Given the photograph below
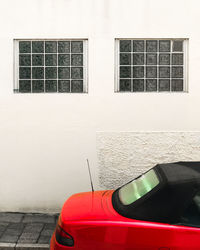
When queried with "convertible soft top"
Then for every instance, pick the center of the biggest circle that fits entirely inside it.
(178, 184)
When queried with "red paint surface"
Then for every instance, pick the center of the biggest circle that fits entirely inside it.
(93, 223)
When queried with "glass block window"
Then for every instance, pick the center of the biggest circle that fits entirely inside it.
(48, 66)
(151, 65)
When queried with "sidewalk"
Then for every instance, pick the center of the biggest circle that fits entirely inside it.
(26, 231)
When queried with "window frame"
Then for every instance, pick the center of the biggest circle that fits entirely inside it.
(16, 65)
(185, 65)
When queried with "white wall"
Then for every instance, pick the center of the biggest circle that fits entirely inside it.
(45, 138)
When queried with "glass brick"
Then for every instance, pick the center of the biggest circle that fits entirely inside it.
(151, 59)
(77, 60)
(138, 45)
(64, 73)
(151, 85)
(63, 86)
(25, 47)
(24, 86)
(37, 60)
(77, 73)
(164, 59)
(64, 60)
(151, 46)
(164, 45)
(151, 72)
(38, 86)
(125, 85)
(37, 47)
(64, 47)
(51, 47)
(177, 59)
(164, 72)
(138, 59)
(24, 72)
(77, 47)
(164, 85)
(125, 72)
(50, 86)
(177, 46)
(138, 85)
(50, 72)
(51, 60)
(177, 84)
(125, 46)
(24, 60)
(37, 73)
(177, 72)
(125, 58)
(138, 72)
(77, 86)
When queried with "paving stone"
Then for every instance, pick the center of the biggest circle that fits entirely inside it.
(29, 238)
(33, 227)
(3, 226)
(44, 239)
(41, 218)
(32, 246)
(9, 238)
(7, 246)
(11, 217)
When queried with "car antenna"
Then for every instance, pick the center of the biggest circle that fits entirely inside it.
(90, 175)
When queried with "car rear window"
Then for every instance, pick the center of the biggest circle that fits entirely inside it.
(137, 188)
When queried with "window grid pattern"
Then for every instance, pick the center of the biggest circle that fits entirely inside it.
(51, 66)
(151, 65)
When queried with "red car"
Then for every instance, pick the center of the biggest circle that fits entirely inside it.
(159, 210)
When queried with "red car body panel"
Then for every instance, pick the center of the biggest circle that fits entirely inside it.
(94, 224)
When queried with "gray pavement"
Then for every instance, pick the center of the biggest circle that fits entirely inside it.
(26, 231)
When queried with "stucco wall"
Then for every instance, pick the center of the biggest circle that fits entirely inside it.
(46, 138)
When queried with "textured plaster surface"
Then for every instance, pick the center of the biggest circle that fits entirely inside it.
(124, 155)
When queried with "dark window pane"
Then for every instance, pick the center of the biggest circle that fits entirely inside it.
(164, 72)
(125, 46)
(177, 59)
(151, 85)
(138, 59)
(51, 60)
(50, 86)
(125, 85)
(64, 73)
(77, 47)
(138, 46)
(37, 47)
(177, 72)
(138, 72)
(51, 73)
(38, 86)
(125, 58)
(37, 60)
(164, 59)
(164, 45)
(64, 60)
(24, 47)
(24, 60)
(177, 46)
(37, 73)
(151, 59)
(77, 73)
(64, 47)
(77, 86)
(63, 86)
(125, 72)
(24, 72)
(138, 85)
(51, 47)
(77, 60)
(177, 84)
(151, 46)
(24, 86)
(151, 72)
(164, 85)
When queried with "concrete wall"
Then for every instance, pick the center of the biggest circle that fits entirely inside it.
(45, 138)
